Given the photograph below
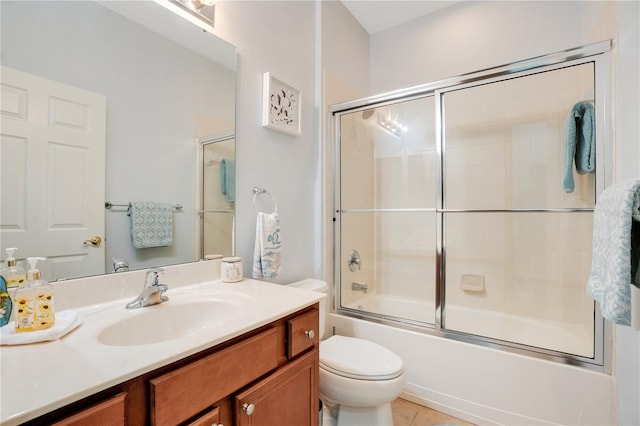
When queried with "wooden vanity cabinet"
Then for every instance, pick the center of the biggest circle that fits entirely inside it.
(273, 369)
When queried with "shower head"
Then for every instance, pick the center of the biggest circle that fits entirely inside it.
(367, 113)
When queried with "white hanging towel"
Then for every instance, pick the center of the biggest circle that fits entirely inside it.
(616, 251)
(267, 253)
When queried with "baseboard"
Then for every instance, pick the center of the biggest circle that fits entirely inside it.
(467, 410)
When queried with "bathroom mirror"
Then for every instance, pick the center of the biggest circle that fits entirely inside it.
(149, 87)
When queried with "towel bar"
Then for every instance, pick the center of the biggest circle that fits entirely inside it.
(108, 205)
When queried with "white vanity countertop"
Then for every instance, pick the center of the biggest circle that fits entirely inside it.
(39, 378)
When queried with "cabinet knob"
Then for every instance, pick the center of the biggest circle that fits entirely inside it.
(310, 334)
(248, 408)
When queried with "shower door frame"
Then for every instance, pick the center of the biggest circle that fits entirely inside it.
(202, 212)
(598, 54)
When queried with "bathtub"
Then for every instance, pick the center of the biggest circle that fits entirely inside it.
(396, 306)
(555, 335)
(482, 384)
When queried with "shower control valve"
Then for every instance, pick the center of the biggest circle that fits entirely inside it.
(354, 261)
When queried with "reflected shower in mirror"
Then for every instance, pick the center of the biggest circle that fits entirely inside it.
(106, 102)
(218, 195)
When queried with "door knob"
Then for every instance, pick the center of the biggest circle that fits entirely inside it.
(94, 241)
(248, 408)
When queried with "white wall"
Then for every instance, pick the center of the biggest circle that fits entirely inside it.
(278, 37)
(475, 35)
(284, 38)
(627, 123)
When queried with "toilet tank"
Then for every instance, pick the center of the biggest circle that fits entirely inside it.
(321, 287)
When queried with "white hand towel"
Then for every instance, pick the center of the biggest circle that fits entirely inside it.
(267, 253)
(65, 322)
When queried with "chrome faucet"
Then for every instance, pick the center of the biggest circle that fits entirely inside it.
(152, 293)
(120, 265)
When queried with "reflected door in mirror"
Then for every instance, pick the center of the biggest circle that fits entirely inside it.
(53, 180)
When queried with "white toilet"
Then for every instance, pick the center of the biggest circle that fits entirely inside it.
(358, 378)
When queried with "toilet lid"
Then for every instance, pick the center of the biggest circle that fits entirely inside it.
(359, 359)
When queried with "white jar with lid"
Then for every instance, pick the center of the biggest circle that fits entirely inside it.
(231, 269)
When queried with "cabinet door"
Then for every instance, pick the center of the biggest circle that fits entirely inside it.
(212, 418)
(287, 397)
(106, 413)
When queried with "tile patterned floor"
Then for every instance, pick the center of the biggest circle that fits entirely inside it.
(407, 413)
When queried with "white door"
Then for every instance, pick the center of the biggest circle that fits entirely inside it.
(53, 173)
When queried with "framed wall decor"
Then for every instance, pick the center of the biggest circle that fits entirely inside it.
(281, 106)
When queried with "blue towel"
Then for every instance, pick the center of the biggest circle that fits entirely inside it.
(228, 179)
(616, 251)
(267, 252)
(151, 224)
(580, 143)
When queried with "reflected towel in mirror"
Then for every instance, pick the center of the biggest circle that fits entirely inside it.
(151, 224)
(228, 179)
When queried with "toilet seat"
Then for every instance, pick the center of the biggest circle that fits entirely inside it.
(359, 359)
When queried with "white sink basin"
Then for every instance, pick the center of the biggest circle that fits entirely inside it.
(175, 319)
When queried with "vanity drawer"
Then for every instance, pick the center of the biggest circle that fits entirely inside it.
(182, 393)
(108, 413)
(302, 333)
(211, 418)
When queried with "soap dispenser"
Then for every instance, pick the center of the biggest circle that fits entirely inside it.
(34, 300)
(13, 274)
(5, 303)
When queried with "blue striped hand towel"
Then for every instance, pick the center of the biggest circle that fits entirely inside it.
(151, 224)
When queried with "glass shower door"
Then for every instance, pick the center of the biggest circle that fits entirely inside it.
(218, 196)
(518, 247)
(387, 215)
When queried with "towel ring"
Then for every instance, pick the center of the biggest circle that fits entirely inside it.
(257, 191)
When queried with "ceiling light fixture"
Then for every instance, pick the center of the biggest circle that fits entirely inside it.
(199, 12)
